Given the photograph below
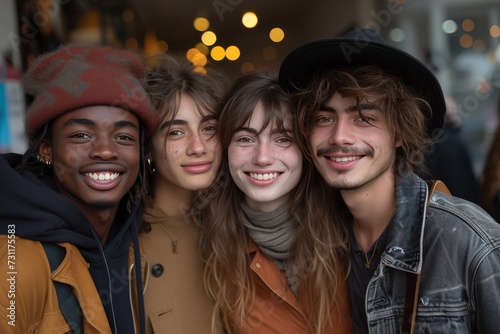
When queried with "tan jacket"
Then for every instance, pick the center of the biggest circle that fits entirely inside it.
(28, 294)
(175, 297)
(275, 308)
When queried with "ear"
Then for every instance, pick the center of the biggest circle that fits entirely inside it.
(399, 142)
(45, 151)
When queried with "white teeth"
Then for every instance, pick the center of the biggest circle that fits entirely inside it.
(102, 176)
(264, 177)
(344, 159)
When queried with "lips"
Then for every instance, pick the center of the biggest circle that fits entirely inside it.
(198, 168)
(102, 180)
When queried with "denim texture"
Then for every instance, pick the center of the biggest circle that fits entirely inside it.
(457, 251)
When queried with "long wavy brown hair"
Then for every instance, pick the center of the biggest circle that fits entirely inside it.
(490, 183)
(404, 110)
(319, 248)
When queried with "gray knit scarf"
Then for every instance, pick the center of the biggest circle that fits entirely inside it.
(273, 232)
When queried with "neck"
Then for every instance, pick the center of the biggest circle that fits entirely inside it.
(171, 199)
(101, 220)
(372, 207)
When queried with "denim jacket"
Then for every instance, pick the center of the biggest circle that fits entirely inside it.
(456, 248)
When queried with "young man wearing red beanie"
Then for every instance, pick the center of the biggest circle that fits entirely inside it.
(78, 186)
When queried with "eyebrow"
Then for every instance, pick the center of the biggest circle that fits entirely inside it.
(353, 108)
(204, 119)
(86, 121)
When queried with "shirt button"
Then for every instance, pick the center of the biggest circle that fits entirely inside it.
(258, 265)
(146, 227)
(157, 270)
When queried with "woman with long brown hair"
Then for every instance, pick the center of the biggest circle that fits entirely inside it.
(275, 259)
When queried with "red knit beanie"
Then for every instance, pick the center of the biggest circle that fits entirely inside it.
(77, 76)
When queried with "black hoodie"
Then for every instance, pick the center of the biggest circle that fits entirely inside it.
(40, 213)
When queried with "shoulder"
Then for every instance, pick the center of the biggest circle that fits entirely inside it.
(464, 217)
(29, 279)
(27, 260)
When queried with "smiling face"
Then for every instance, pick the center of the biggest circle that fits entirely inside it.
(266, 165)
(184, 149)
(350, 150)
(95, 154)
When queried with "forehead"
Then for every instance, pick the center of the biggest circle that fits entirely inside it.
(341, 103)
(262, 117)
(185, 108)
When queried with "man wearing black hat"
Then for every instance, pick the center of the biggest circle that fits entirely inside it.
(422, 261)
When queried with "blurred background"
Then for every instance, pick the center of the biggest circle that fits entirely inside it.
(458, 39)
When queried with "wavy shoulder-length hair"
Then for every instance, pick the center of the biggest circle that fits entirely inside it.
(319, 249)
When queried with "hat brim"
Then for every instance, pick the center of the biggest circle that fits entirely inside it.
(298, 67)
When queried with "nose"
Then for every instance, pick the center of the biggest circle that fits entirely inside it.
(342, 133)
(104, 148)
(196, 145)
(263, 154)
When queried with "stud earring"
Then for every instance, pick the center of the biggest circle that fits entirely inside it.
(151, 167)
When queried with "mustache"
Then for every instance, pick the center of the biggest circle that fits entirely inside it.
(344, 149)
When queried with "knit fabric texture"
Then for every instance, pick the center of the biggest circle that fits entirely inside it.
(78, 76)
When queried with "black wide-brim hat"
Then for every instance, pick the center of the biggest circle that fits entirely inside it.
(364, 47)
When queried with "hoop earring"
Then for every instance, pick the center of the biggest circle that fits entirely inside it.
(151, 167)
(40, 160)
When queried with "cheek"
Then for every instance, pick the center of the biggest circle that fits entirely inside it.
(296, 163)
(65, 162)
(172, 151)
(313, 140)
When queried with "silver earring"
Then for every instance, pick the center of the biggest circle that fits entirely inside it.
(48, 162)
(151, 167)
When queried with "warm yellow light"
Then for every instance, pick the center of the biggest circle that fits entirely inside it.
(128, 15)
(202, 48)
(495, 31)
(200, 69)
(191, 53)
(468, 25)
(269, 53)
(249, 20)
(217, 53)
(150, 43)
(276, 35)
(161, 46)
(201, 24)
(466, 41)
(209, 38)
(247, 67)
(199, 60)
(232, 52)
